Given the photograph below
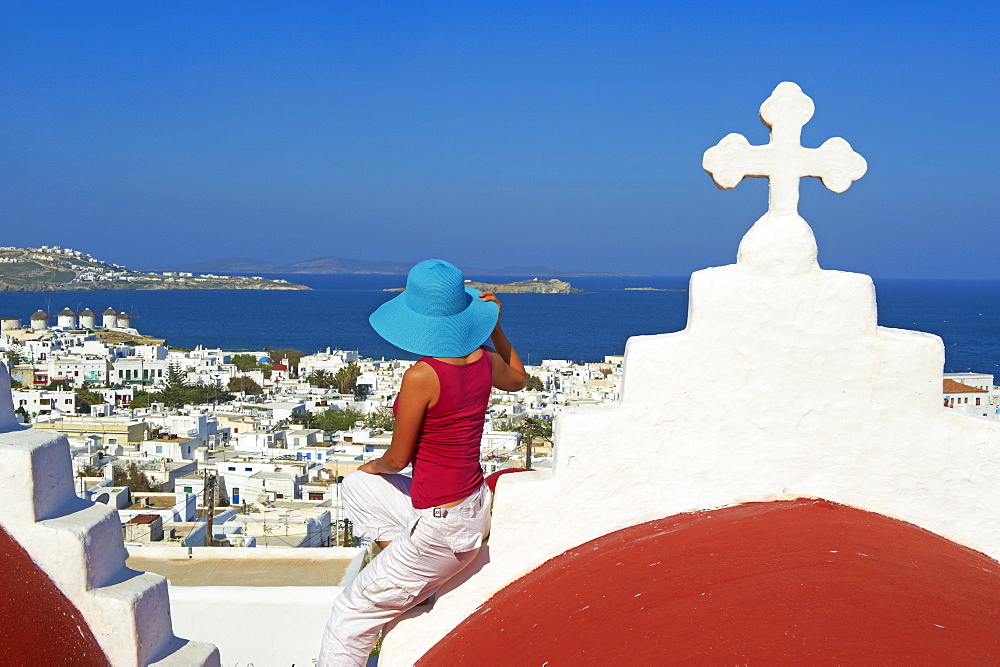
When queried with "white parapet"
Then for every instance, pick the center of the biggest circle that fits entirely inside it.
(284, 595)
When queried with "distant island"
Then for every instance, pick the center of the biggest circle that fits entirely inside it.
(55, 269)
(536, 286)
(338, 265)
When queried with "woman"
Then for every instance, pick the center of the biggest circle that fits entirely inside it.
(429, 526)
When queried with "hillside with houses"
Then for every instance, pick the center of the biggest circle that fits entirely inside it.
(56, 269)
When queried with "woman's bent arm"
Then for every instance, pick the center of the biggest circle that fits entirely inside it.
(419, 390)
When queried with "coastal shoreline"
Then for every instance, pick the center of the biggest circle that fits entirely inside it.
(57, 269)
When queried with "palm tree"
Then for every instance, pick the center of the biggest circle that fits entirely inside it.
(347, 378)
(320, 378)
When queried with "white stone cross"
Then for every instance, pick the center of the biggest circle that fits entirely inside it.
(784, 160)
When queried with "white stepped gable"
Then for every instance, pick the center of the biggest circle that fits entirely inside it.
(817, 401)
(781, 240)
(8, 420)
(79, 545)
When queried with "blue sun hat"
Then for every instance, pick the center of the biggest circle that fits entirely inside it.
(436, 315)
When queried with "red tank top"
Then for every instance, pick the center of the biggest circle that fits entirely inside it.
(446, 462)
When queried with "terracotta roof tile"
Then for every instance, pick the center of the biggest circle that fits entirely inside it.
(952, 387)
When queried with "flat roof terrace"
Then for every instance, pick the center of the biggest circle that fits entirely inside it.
(145, 501)
(235, 566)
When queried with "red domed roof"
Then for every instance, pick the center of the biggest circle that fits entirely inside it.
(38, 625)
(279, 367)
(791, 582)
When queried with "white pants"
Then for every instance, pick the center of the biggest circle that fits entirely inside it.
(428, 547)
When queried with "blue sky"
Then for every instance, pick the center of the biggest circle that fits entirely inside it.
(563, 134)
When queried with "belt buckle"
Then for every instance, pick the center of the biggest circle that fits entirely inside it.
(440, 513)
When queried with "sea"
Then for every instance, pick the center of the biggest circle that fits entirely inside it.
(577, 327)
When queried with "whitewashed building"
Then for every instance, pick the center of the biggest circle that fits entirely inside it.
(170, 447)
(330, 361)
(969, 399)
(137, 371)
(43, 402)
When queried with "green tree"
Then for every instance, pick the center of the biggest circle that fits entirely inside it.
(86, 398)
(320, 378)
(245, 362)
(542, 428)
(500, 424)
(531, 428)
(533, 383)
(178, 393)
(293, 356)
(176, 378)
(140, 399)
(14, 384)
(89, 397)
(58, 385)
(381, 418)
(14, 358)
(203, 394)
(306, 419)
(346, 379)
(174, 391)
(129, 475)
(244, 384)
(338, 420)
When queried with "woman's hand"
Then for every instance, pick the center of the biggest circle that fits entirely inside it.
(369, 468)
(491, 296)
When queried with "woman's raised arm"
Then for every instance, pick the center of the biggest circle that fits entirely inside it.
(508, 371)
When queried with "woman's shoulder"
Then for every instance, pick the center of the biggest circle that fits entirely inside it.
(420, 370)
(420, 380)
(492, 355)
